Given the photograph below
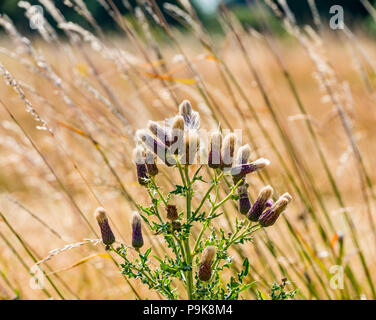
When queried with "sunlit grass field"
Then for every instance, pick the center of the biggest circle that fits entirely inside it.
(70, 107)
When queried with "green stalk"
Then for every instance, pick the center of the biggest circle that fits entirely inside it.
(186, 241)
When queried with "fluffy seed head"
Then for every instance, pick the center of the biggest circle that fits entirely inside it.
(243, 154)
(159, 132)
(215, 146)
(151, 164)
(192, 145)
(265, 193)
(287, 196)
(208, 255)
(228, 149)
(138, 155)
(159, 148)
(100, 215)
(261, 163)
(178, 123)
(185, 108)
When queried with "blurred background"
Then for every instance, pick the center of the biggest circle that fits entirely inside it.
(354, 11)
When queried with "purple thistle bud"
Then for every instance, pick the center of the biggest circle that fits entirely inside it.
(137, 239)
(160, 132)
(243, 155)
(185, 108)
(191, 118)
(228, 149)
(287, 196)
(244, 203)
(214, 156)
(151, 164)
(269, 203)
(159, 148)
(108, 237)
(191, 146)
(177, 135)
(270, 216)
(244, 169)
(260, 204)
(204, 271)
(172, 212)
(139, 159)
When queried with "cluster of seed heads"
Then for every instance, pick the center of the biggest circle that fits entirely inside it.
(178, 142)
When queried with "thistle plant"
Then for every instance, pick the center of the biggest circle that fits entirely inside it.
(197, 251)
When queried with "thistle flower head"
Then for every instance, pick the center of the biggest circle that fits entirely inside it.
(270, 216)
(139, 159)
(159, 148)
(191, 118)
(260, 204)
(138, 155)
(244, 169)
(287, 196)
(151, 164)
(108, 237)
(204, 271)
(269, 203)
(137, 239)
(215, 146)
(185, 108)
(178, 123)
(228, 149)
(160, 132)
(172, 212)
(177, 135)
(244, 204)
(191, 146)
(243, 154)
